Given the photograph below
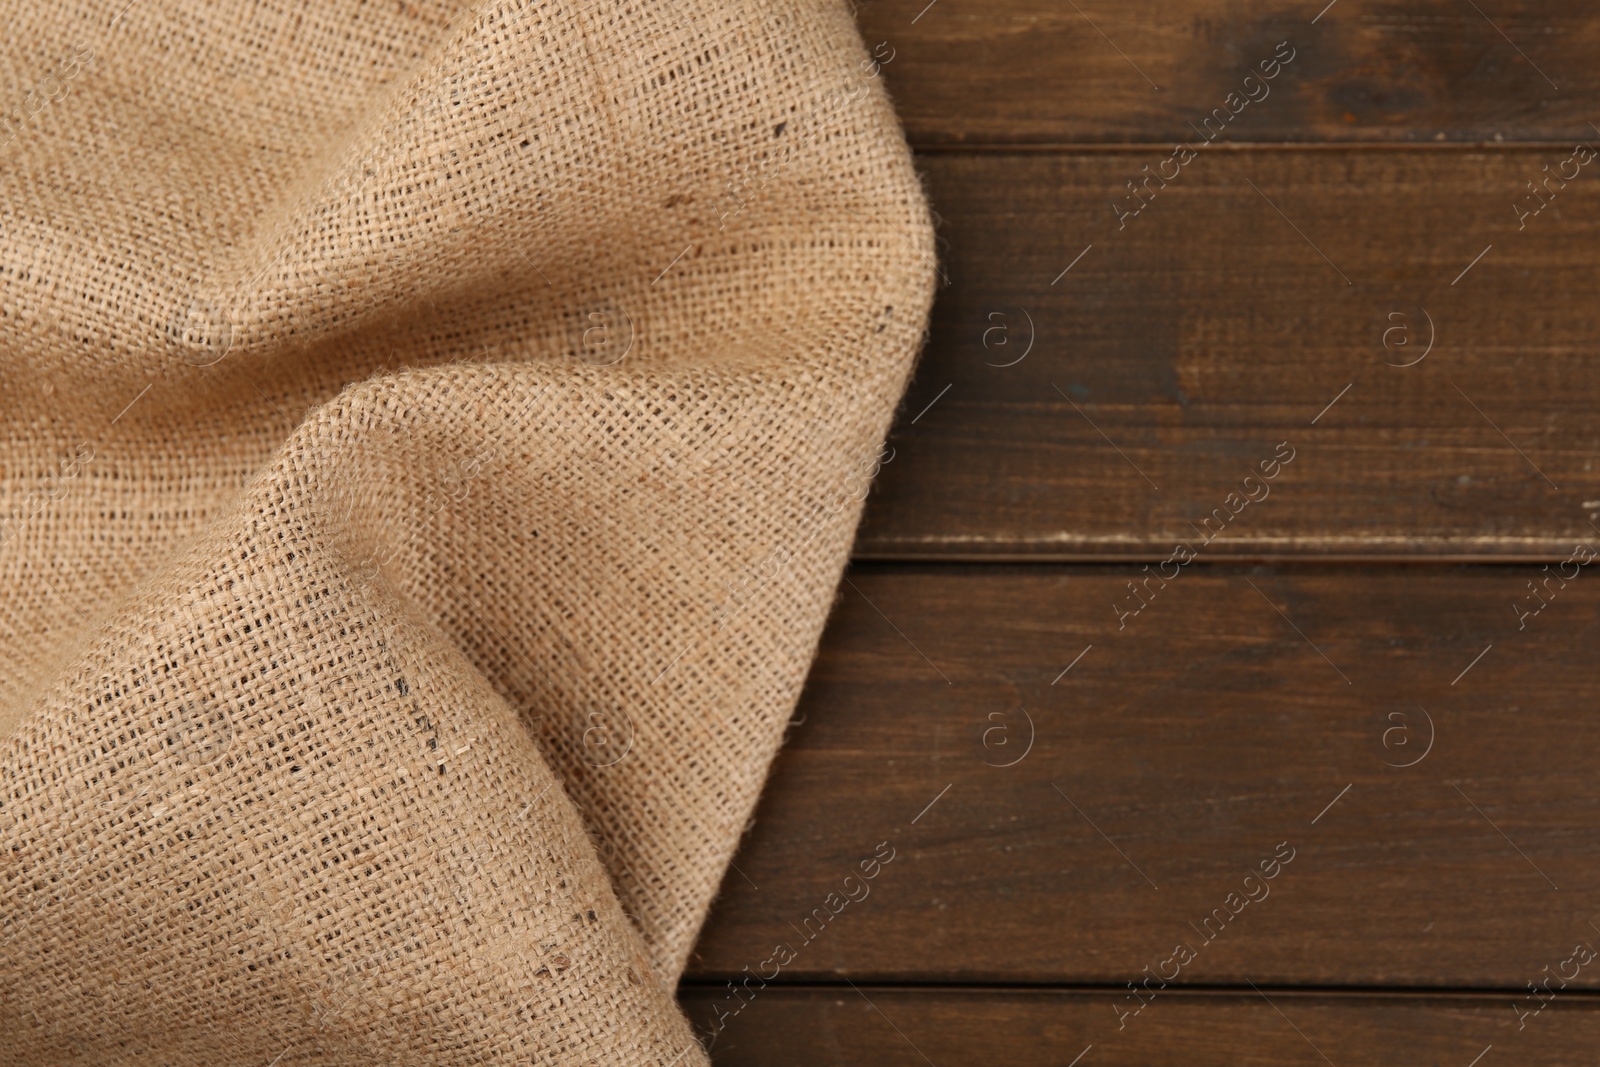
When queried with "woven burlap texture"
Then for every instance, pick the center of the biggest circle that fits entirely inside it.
(431, 440)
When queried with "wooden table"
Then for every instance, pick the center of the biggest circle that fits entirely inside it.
(1213, 681)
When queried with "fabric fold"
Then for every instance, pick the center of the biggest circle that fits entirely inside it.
(432, 439)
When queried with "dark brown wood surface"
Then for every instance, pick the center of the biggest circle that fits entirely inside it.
(1017, 71)
(873, 1027)
(1382, 266)
(1189, 341)
(1176, 755)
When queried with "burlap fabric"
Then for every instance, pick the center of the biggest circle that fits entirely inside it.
(432, 437)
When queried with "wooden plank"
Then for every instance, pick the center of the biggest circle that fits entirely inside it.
(1019, 71)
(1214, 731)
(877, 1027)
(1172, 359)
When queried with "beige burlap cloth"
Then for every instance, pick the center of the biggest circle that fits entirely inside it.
(431, 439)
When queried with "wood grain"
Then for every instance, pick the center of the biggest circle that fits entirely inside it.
(1050, 1028)
(1023, 788)
(1167, 764)
(1032, 71)
(1189, 341)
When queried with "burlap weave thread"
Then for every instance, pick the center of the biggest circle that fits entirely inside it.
(431, 439)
